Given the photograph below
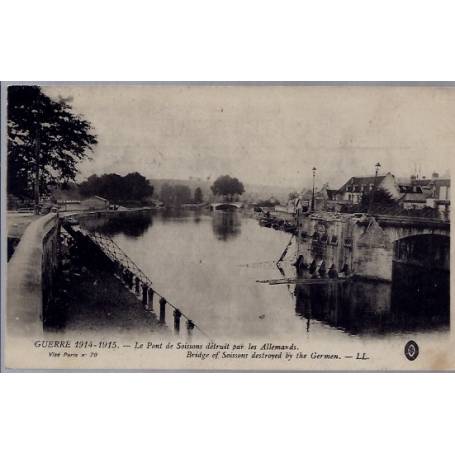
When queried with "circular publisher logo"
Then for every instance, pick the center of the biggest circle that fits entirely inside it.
(411, 350)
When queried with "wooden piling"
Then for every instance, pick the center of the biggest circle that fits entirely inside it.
(150, 297)
(189, 326)
(145, 295)
(177, 316)
(163, 310)
(137, 283)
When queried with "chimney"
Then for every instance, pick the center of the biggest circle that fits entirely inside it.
(413, 179)
(435, 175)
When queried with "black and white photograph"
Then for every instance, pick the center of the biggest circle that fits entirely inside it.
(225, 227)
(229, 226)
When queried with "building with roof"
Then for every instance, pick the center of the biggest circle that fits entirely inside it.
(76, 205)
(324, 199)
(95, 203)
(435, 189)
(353, 190)
(412, 197)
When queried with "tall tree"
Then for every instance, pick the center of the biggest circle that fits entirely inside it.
(137, 186)
(382, 201)
(182, 194)
(293, 195)
(167, 194)
(132, 187)
(46, 141)
(226, 185)
(198, 198)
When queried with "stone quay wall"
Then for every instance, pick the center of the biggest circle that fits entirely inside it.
(31, 275)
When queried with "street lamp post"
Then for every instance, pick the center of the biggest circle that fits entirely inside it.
(312, 199)
(377, 167)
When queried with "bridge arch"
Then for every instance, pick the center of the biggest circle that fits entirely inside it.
(427, 250)
(421, 277)
(226, 205)
(396, 229)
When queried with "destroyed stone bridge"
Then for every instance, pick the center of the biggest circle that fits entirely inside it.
(369, 246)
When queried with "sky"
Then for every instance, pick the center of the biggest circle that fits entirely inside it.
(270, 135)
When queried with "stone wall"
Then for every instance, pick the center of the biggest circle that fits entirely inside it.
(365, 245)
(325, 239)
(31, 275)
(344, 241)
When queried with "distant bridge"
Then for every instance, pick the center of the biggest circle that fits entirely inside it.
(226, 205)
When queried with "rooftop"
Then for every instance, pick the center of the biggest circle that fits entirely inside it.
(363, 180)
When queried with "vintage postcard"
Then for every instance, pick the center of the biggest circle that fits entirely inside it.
(227, 226)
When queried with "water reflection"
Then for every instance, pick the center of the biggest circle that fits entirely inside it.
(226, 224)
(197, 214)
(204, 250)
(414, 302)
(132, 225)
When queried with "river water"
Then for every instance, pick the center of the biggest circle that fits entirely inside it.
(208, 264)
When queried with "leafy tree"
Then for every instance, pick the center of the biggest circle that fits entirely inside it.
(382, 201)
(226, 185)
(182, 194)
(167, 194)
(175, 195)
(132, 187)
(137, 186)
(293, 195)
(90, 186)
(45, 140)
(198, 198)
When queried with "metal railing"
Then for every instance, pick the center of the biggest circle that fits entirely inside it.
(113, 251)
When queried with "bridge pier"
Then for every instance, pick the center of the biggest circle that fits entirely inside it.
(366, 246)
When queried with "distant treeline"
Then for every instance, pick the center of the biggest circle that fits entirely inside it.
(176, 195)
(114, 187)
(135, 187)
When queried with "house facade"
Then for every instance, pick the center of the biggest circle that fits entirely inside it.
(353, 190)
(325, 199)
(412, 197)
(95, 203)
(436, 191)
